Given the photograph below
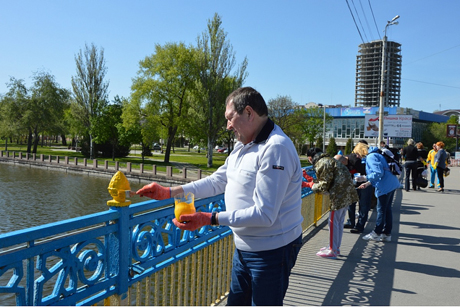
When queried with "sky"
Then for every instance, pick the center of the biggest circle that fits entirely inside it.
(304, 49)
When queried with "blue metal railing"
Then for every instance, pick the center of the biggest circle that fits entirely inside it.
(82, 261)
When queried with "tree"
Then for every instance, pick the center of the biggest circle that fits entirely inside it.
(217, 61)
(48, 104)
(453, 119)
(332, 147)
(107, 127)
(437, 132)
(13, 109)
(311, 121)
(318, 142)
(349, 146)
(140, 124)
(164, 82)
(282, 111)
(90, 91)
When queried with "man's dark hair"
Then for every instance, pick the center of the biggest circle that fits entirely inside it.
(247, 96)
(363, 141)
(313, 151)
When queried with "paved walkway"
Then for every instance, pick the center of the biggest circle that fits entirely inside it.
(420, 267)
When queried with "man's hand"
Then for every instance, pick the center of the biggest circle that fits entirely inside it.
(155, 191)
(193, 221)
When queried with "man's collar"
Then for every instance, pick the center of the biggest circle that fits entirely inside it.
(265, 132)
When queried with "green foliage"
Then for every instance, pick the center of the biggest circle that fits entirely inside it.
(104, 149)
(332, 147)
(216, 62)
(281, 111)
(453, 119)
(310, 121)
(437, 132)
(319, 142)
(109, 129)
(163, 87)
(13, 107)
(33, 111)
(90, 91)
(48, 104)
(349, 146)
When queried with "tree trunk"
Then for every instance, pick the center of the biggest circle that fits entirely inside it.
(64, 140)
(29, 141)
(210, 141)
(142, 152)
(36, 139)
(91, 149)
(171, 133)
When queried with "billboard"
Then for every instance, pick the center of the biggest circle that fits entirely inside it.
(452, 131)
(393, 126)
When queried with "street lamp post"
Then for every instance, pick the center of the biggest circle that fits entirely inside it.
(324, 125)
(382, 77)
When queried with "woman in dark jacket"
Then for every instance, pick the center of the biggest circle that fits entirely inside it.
(422, 153)
(440, 164)
(410, 154)
(422, 157)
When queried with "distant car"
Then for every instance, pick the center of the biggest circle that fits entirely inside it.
(222, 150)
(196, 147)
(156, 146)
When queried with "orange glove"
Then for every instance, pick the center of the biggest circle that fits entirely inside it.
(155, 191)
(193, 221)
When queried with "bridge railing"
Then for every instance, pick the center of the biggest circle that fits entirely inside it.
(124, 256)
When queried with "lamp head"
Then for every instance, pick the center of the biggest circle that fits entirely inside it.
(394, 18)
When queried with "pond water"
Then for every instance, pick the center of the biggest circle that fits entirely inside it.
(32, 196)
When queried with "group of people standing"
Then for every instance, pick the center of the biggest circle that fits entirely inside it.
(261, 180)
(349, 179)
(370, 176)
(417, 159)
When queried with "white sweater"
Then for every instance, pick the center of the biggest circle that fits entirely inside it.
(262, 185)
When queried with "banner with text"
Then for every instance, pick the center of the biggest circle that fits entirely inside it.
(452, 131)
(393, 126)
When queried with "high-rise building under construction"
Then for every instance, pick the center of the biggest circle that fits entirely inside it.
(369, 73)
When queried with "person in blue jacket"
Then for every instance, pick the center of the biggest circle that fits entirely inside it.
(378, 175)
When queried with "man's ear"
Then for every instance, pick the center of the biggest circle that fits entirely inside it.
(248, 111)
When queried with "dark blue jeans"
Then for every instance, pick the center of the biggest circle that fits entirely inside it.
(365, 199)
(262, 278)
(384, 223)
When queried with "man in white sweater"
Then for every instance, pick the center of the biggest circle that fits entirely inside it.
(261, 180)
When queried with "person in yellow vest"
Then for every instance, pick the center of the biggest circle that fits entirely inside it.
(430, 161)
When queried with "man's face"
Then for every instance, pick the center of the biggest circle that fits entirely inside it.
(238, 123)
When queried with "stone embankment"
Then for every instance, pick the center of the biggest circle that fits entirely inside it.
(133, 171)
